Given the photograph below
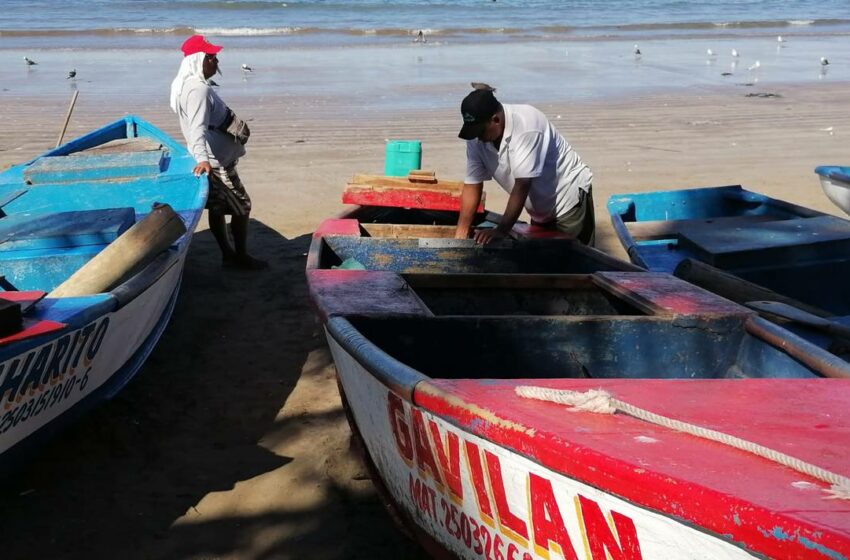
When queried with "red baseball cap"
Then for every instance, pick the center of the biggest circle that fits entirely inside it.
(196, 44)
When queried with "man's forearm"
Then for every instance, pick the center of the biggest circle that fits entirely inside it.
(470, 198)
(516, 202)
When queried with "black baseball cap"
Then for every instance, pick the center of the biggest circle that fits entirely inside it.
(476, 110)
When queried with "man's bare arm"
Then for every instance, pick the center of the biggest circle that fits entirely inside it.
(516, 202)
(470, 198)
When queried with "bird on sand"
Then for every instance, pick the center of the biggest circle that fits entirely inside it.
(29, 61)
(246, 68)
(636, 51)
(824, 61)
(779, 39)
(72, 74)
(709, 53)
(482, 85)
(755, 66)
(735, 53)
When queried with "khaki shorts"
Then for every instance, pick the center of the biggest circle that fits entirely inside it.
(227, 194)
(579, 221)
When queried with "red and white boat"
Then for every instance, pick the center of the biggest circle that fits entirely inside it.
(432, 338)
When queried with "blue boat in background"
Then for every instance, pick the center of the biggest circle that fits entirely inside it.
(93, 239)
(788, 262)
(835, 181)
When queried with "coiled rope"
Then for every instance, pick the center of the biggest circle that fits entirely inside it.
(603, 403)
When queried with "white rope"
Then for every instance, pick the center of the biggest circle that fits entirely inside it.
(602, 402)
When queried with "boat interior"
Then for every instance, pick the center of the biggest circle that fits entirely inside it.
(595, 346)
(606, 325)
(769, 242)
(540, 256)
(61, 209)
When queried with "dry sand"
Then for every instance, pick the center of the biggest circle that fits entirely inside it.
(231, 443)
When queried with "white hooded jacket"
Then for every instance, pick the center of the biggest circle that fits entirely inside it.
(199, 108)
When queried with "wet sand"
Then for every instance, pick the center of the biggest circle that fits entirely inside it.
(231, 442)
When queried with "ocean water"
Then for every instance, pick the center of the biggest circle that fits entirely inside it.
(298, 23)
(332, 56)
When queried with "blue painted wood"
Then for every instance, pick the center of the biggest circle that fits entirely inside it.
(795, 251)
(63, 229)
(834, 172)
(78, 204)
(486, 347)
(101, 167)
(794, 241)
(408, 255)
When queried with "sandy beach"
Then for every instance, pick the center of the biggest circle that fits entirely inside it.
(232, 443)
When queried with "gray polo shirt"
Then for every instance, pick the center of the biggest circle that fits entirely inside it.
(200, 108)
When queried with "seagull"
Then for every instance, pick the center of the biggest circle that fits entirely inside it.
(481, 85)
(72, 74)
(735, 53)
(824, 61)
(30, 62)
(637, 50)
(756, 65)
(709, 53)
(779, 39)
(246, 68)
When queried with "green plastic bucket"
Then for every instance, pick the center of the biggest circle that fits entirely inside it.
(402, 157)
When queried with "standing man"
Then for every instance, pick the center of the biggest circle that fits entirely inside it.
(202, 113)
(518, 147)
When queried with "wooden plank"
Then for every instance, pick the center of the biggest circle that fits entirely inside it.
(671, 229)
(503, 281)
(404, 231)
(363, 292)
(417, 196)
(658, 293)
(786, 241)
(422, 176)
(734, 288)
(402, 182)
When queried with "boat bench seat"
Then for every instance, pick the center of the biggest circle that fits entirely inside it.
(796, 240)
(61, 230)
(113, 167)
(671, 229)
(40, 251)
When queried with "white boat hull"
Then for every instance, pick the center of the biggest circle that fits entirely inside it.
(480, 500)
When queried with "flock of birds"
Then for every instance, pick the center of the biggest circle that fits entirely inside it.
(72, 74)
(712, 55)
(636, 51)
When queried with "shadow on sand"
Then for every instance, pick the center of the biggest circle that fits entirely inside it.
(241, 370)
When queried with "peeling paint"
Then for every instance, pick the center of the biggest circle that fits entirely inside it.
(484, 415)
(779, 534)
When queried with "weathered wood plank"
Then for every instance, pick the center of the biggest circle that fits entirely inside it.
(516, 281)
(659, 293)
(401, 231)
(670, 229)
(402, 182)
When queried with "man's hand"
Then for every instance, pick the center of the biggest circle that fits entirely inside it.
(201, 168)
(485, 236)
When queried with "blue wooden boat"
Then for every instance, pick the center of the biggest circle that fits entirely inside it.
(772, 243)
(68, 216)
(835, 181)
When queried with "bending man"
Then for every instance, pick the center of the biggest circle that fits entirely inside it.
(518, 147)
(202, 112)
